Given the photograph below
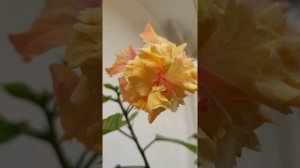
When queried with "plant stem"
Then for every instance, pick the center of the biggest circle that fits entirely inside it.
(50, 137)
(129, 109)
(53, 139)
(124, 133)
(134, 137)
(152, 142)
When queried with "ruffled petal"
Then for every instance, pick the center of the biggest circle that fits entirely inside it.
(52, 28)
(121, 61)
(150, 37)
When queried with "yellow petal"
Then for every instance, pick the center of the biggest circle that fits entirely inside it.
(130, 95)
(158, 77)
(156, 103)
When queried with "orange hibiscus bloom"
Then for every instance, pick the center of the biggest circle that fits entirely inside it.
(157, 77)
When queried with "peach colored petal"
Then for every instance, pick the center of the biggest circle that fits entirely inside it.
(158, 78)
(76, 118)
(52, 28)
(121, 61)
(149, 36)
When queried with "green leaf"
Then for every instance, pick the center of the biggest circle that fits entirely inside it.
(110, 86)
(133, 115)
(106, 98)
(194, 136)
(9, 131)
(114, 122)
(20, 90)
(191, 147)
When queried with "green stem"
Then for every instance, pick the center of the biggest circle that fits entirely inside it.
(50, 137)
(129, 109)
(53, 138)
(124, 133)
(134, 137)
(152, 142)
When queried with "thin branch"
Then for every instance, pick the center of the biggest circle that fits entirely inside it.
(50, 135)
(53, 138)
(129, 108)
(152, 142)
(134, 137)
(124, 133)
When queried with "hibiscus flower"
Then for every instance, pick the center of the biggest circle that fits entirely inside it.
(157, 77)
(247, 59)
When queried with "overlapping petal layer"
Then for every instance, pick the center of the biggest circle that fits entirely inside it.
(157, 77)
(84, 52)
(79, 120)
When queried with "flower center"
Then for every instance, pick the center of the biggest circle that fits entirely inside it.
(161, 80)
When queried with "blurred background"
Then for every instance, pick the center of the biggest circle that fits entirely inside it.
(24, 151)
